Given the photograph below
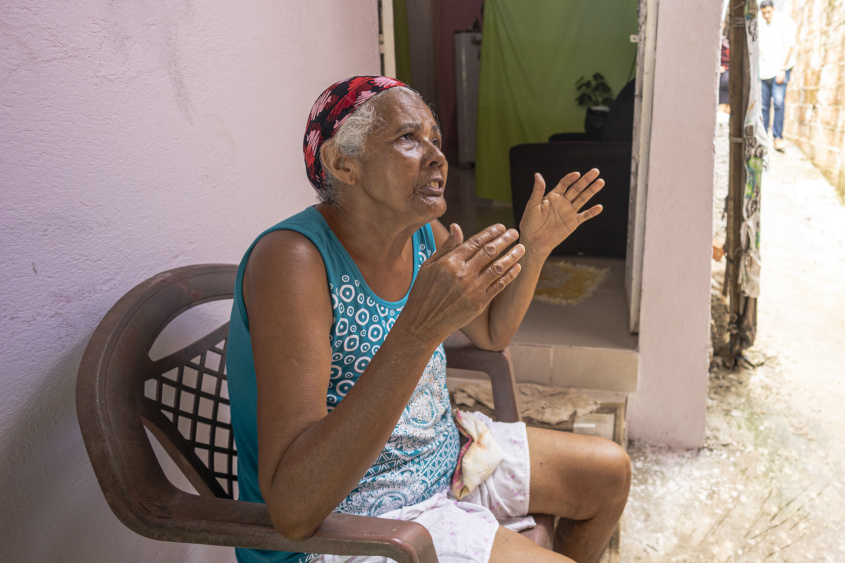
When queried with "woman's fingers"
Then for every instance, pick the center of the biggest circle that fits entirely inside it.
(485, 262)
(587, 194)
(498, 269)
(575, 190)
(483, 247)
(502, 282)
(456, 237)
(590, 213)
(491, 250)
(567, 182)
(571, 186)
(538, 192)
(477, 242)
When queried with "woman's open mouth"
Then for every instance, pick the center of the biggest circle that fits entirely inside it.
(432, 187)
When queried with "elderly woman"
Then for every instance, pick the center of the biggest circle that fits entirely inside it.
(335, 359)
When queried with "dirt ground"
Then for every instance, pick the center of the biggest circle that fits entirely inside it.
(769, 483)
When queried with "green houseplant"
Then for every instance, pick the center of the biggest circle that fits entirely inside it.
(596, 96)
(593, 92)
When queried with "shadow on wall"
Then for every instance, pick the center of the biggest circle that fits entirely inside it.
(48, 484)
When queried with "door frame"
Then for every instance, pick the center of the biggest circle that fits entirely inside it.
(387, 38)
(643, 105)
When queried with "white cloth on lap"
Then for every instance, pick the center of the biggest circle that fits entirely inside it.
(478, 458)
(464, 530)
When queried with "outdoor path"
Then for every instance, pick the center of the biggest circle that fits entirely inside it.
(769, 485)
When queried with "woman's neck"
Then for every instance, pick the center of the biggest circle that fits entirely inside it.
(381, 247)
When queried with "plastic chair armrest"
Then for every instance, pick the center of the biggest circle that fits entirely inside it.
(191, 518)
(461, 353)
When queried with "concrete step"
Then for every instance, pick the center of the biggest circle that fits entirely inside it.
(587, 346)
(579, 367)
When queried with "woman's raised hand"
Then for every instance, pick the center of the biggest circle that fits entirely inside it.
(458, 281)
(552, 217)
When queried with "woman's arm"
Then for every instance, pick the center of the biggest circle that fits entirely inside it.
(309, 459)
(547, 221)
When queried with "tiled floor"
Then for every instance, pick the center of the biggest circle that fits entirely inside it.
(587, 345)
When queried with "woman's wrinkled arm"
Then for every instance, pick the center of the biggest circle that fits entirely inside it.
(308, 459)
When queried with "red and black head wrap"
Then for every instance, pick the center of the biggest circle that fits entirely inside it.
(329, 112)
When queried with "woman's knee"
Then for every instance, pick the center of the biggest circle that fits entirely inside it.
(577, 476)
(614, 470)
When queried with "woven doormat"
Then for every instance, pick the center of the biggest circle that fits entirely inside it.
(565, 283)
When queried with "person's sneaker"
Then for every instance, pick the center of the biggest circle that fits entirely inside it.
(778, 145)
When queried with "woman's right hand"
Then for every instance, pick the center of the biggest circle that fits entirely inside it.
(459, 280)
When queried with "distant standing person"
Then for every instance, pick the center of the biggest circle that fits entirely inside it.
(724, 74)
(777, 57)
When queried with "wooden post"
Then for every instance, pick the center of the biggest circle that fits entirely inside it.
(737, 97)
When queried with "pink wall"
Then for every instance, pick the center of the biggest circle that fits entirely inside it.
(669, 406)
(452, 16)
(137, 136)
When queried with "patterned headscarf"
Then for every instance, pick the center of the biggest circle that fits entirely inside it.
(330, 111)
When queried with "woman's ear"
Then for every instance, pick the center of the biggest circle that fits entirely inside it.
(342, 167)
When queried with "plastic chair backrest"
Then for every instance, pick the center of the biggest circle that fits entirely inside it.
(181, 398)
(186, 407)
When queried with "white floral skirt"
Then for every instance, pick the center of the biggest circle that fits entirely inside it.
(464, 530)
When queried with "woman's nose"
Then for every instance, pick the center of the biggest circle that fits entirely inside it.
(435, 156)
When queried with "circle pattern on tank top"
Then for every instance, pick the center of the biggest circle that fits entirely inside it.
(361, 325)
(420, 455)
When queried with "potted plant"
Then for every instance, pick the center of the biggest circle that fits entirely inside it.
(594, 94)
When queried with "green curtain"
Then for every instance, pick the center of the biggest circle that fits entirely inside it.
(532, 53)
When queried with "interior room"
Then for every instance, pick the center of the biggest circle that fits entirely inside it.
(520, 90)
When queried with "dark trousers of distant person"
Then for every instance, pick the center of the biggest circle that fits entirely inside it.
(724, 81)
(774, 92)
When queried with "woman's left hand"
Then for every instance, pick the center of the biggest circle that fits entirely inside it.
(552, 217)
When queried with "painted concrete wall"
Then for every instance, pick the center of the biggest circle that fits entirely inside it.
(669, 406)
(136, 137)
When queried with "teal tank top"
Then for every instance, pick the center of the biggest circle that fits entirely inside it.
(420, 456)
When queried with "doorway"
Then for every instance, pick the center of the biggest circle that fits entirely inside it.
(601, 325)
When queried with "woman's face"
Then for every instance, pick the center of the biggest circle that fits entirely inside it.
(403, 170)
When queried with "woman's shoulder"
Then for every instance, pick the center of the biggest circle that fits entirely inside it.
(286, 268)
(284, 248)
(288, 250)
(298, 234)
(308, 222)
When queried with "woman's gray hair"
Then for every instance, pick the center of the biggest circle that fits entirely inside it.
(349, 142)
